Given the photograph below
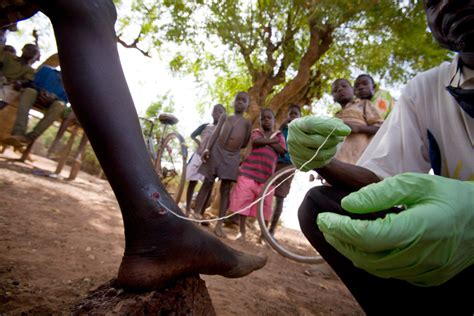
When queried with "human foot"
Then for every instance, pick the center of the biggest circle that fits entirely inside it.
(219, 232)
(17, 140)
(174, 248)
(240, 237)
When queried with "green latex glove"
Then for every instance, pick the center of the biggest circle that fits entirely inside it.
(426, 244)
(305, 136)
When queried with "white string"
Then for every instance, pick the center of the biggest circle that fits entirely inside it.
(254, 202)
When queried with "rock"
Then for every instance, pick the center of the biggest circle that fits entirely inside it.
(188, 296)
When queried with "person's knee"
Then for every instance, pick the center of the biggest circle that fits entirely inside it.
(57, 108)
(28, 96)
(87, 11)
(317, 200)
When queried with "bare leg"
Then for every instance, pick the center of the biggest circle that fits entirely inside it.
(208, 199)
(243, 222)
(159, 247)
(225, 192)
(189, 195)
(276, 214)
(203, 194)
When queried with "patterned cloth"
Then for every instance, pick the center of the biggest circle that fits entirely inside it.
(261, 162)
(383, 102)
(360, 112)
(12, 11)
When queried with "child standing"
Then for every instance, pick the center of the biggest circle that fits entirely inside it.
(256, 169)
(221, 157)
(360, 115)
(281, 192)
(204, 131)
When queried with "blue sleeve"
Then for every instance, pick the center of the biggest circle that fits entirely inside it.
(198, 130)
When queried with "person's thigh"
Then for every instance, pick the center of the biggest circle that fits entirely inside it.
(377, 295)
(242, 195)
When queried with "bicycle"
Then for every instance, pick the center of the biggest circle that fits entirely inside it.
(168, 153)
(285, 247)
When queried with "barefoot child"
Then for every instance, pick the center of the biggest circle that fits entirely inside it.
(221, 158)
(281, 192)
(256, 169)
(204, 131)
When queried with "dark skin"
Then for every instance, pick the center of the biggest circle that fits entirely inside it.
(232, 130)
(159, 247)
(293, 113)
(450, 29)
(343, 93)
(30, 54)
(217, 111)
(364, 88)
(447, 25)
(232, 133)
(267, 122)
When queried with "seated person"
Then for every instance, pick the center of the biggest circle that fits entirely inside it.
(366, 89)
(17, 70)
(9, 49)
(360, 115)
(405, 238)
(47, 92)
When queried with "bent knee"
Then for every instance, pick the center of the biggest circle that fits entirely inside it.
(318, 200)
(87, 11)
(57, 107)
(309, 208)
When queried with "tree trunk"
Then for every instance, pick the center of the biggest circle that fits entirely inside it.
(187, 296)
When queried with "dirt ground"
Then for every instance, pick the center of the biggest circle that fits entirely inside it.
(60, 239)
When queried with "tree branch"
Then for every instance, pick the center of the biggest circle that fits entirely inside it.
(134, 45)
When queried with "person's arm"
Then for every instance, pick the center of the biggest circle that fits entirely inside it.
(348, 176)
(247, 137)
(206, 153)
(372, 118)
(198, 131)
(263, 141)
(370, 129)
(280, 145)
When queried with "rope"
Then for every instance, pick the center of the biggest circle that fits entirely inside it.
(254, 202)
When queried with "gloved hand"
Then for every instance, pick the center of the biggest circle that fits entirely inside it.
(307, 134)
(426, 244)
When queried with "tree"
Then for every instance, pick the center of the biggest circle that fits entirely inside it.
(285, 52)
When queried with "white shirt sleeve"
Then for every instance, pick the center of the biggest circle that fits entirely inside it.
(401, 143)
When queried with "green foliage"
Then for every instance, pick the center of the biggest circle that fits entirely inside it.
(165, 104)
(287, 51)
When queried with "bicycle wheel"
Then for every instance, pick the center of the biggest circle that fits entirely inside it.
(296, 247)
(170, 164)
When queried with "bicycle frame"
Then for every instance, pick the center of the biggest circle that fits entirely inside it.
(149, 136)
